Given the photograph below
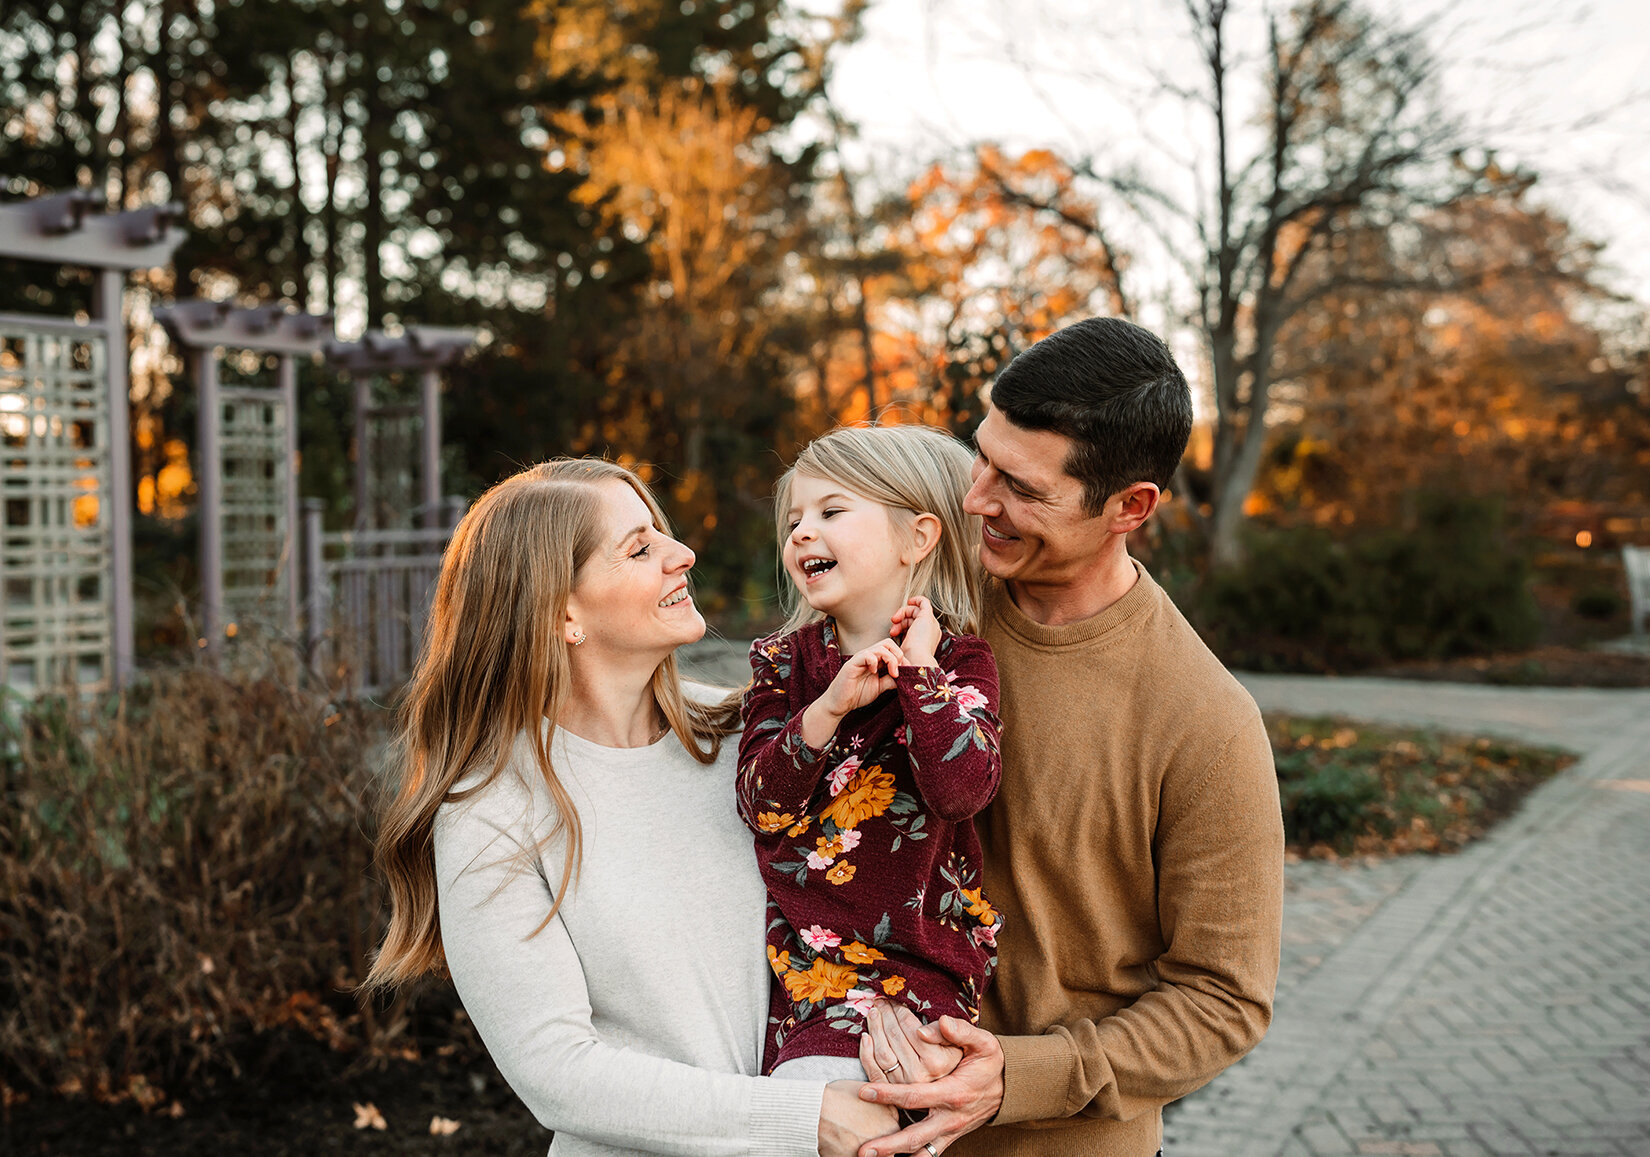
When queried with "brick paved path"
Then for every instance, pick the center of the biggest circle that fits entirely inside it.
(1494, 1002)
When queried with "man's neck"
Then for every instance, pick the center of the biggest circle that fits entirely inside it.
(1057, 604)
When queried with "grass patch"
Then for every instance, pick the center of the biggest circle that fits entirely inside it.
(1363, 789)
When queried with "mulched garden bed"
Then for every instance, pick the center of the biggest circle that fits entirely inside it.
(299, 1099)
(1542, 667)
(1362, 789)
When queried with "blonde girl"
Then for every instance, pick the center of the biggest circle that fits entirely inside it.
(870, 743)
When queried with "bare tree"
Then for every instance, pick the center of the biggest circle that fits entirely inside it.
(1330, 129)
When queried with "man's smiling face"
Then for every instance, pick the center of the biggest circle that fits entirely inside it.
(1037, 530)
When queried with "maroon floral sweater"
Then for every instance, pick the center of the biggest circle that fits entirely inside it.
(868, 845)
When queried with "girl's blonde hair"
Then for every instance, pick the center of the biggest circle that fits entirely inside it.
(911, 470)
(495, 664)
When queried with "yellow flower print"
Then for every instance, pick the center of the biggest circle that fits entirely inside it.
(799, 826)
(779, 961)
(857, 953)
(894, 985)
(823, 980)
(831, 848)
(979, 908)
(773, 821)
(841, 872)
(867, 795)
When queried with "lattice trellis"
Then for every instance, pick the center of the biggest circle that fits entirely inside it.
(257, 540)
(393, 433)
(54, 423)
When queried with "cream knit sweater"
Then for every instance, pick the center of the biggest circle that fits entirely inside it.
(633, 1022)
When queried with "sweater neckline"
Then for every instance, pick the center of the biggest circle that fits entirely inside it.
(1095, 628)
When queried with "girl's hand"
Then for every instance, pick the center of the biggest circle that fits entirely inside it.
(892, 1049)
(864, 677)
(918, 631)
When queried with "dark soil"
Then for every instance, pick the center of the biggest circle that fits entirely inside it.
(1543, 667)
(300, 1104)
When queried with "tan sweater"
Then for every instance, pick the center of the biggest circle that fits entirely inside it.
(1135, 849)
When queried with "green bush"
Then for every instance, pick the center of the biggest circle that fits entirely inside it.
(1306, 600)
(183, 866)
(1326, 804)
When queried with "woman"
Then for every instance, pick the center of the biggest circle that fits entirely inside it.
(563, 838)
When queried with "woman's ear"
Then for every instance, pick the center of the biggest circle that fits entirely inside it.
(925, 536)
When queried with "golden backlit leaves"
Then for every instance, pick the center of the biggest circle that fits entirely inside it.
(1500, 386)
(165, 492)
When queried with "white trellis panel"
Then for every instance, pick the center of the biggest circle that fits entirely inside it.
(257, 483)
(56, 562)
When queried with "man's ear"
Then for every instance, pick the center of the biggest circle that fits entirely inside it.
(1129, 508)
(925, 536)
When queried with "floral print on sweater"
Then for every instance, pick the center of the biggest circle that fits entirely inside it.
(867, 845)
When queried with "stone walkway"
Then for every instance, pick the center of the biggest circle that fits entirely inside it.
(1493, 1002)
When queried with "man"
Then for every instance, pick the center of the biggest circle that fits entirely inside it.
(1135, 847)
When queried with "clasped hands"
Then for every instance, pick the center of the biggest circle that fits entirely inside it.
(951, 1068)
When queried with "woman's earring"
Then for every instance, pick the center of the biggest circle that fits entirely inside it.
(578, 640)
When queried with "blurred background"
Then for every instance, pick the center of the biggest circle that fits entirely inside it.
(1402, 250)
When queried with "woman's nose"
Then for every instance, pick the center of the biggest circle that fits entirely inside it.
(685, 559)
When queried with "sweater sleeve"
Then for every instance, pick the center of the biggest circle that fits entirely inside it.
(952, 733)
(523, 987)
(778, 771)
(1219, 852)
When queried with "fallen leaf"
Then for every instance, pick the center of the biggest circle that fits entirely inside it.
(442, 1127)
(367, 1116)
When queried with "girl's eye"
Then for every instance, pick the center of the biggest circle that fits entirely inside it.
(830, 510)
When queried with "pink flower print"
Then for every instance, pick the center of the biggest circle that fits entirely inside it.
(819, 938)
(860, 1000)
(819, 862)
(848, 839)
(969, 699)
(842, 773)
(986, 935)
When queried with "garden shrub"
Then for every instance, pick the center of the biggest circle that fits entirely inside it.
(1326, 804)
(1307, 601)
(181, 865)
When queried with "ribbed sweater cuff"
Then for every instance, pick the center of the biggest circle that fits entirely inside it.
(785, 1117)
(1037, 1073)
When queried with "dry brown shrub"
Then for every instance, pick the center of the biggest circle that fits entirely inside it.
(181, 866)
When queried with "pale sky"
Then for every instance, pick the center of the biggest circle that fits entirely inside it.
(1562, 88)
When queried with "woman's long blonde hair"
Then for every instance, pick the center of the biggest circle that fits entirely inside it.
(495, 664)
(911, 470)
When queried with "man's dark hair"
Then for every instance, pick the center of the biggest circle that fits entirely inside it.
(1115, 391)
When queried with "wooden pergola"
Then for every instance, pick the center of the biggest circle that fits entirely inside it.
(247, 448)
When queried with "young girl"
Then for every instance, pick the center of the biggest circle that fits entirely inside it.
(870, 743)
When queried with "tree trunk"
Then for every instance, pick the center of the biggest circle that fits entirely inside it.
(375, 138)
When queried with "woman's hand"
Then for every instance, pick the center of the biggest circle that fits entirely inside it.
(846, 1122)
(892, 1048)
(918, 631)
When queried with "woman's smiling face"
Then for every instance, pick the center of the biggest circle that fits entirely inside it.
(632, 593)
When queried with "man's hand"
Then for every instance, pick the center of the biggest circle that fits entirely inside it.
(957, 1104)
